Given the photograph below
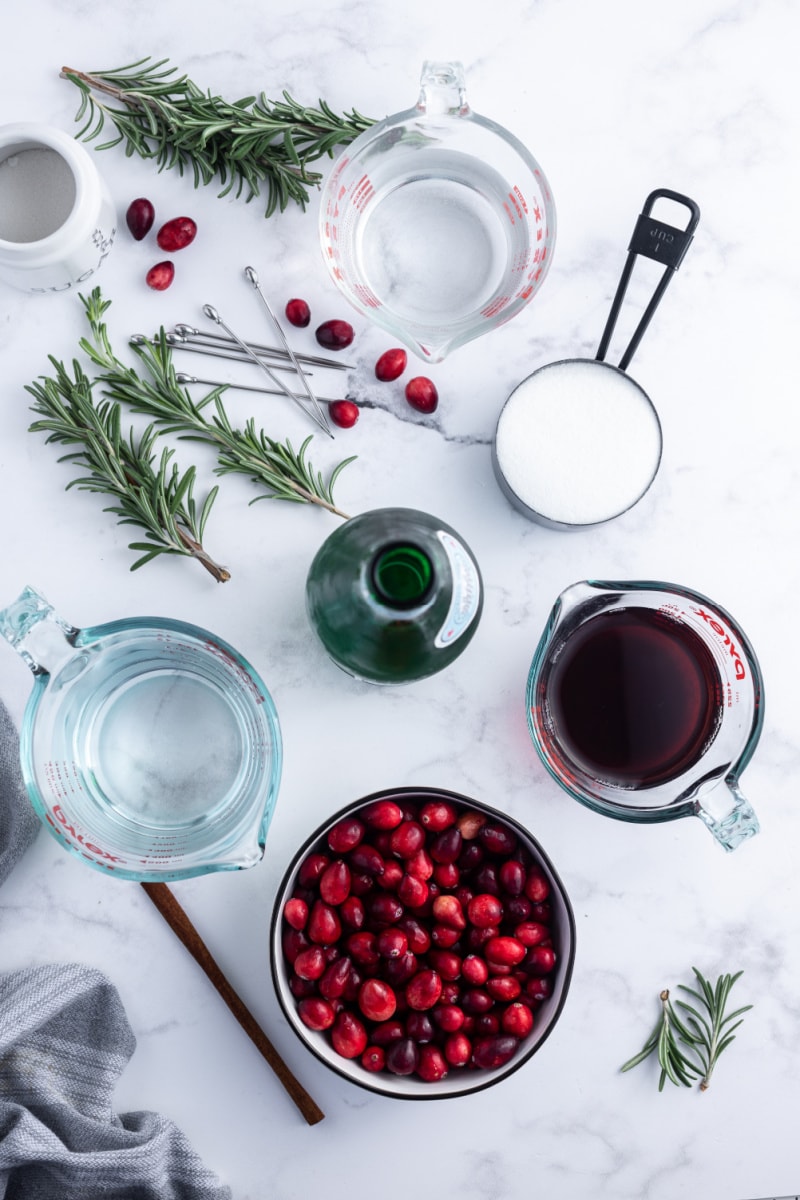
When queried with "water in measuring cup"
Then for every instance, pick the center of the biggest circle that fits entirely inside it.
(160, 739)
(437, 243)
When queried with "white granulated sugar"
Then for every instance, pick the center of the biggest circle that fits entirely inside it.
(578, 442)
(37, 192)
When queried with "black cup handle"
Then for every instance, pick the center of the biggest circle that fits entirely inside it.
(661, 242)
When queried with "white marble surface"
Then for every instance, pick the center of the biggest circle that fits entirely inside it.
(614, 100)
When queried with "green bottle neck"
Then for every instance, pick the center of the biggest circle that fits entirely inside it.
(401, 575)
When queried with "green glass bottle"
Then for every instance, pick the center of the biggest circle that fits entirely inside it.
(394, 595)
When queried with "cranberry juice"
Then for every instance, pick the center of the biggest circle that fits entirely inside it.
(635, 697)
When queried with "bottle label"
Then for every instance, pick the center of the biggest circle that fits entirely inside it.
(466, 591)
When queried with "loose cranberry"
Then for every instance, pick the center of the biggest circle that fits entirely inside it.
(382, 814)
(451, 992)
(377, 1000)
(316, 1013)
(531, 933)
(391, 876)
(512, 877)
(540, 960)
(539, 988)
(344, 413)
(492, 1052)
(391, 365)
(296, 913)
(367, 859)
(335, 335)
(297, 313)
(346, 834)
(293, 941)
(363, 948)
(432, 1065)
(487, 1024)
(437, 815)
(407, 839)
(470, 824)
(348, 1035)
(448, 911)
(422, 395)
(447, 875)
(333, 983)
(477, 938)
(446, 962)
(361, 883)
(484, 910)
(419, 1027)
(541, 912)
(458, 1049)
(446, 846)
(507, 951)
(311, 869)
(387, 1032)
(449, 1017)
(176, 234)
(471, 856)
(519, 908)
(392, 943)
(517, 1020)
(399, 970)
(402, 1057)
(498, 839)
(537, 888)
(474, 970)
(160, 276)
(334, 883)
(310, 963)
(374, 1058)
(352, 912)
(140, 217)
(383, 908)
(444, 936)
(419, 940)
(503, 988)
(424, 990)
(420, 864)
(300, 988)
(412, 891)
(324, 926)
(476, 1001)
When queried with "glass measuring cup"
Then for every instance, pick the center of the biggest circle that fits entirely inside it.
(579, 441)
(150, 748)
(645, 702)
(436, 223)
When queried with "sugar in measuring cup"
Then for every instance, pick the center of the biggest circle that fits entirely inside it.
(579, 441)
(437, 224)
(150, 748)
(645, 702)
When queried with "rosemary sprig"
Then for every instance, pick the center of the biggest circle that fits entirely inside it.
(273, 465)
(152, 495)
(246, 144)
(705, 1037)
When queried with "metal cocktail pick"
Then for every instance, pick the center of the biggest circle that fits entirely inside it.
(182, 378)
(214, 316)
(252, 277)
(183, 333)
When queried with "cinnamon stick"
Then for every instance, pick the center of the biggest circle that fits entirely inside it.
(166, 903)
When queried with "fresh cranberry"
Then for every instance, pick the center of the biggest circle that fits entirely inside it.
(343, 413)
(160, 276)
(517, 1019)
(422, 395)
(346, 834)
(296, 913)
(367, 859)
(419, 1027)
(335, 335)
(352, 912)
(387, 1032)
(424, 990)
(402, 1057)
(419, 940)
(498, 839)
(437, 815)
(449, 1017)
(432, 1065)
(176, 234)
(391, 365)
(383, 909)
(316, 1013)
(420, 864)
(333, 982)
(363, 948)
(373, 1059)
(324, 926)
(382, 814)
(311, 868)
(487, 1023)
(484, 910)
(519, 908)
(300, 988)
(506, 951)
(503, 988)
(492, 1052)
(512, 877)
(448, 911)
(537, 888)
(444, 936)
(310, 963)
(392, 943)
(470, 824)
(458, 1049)
(293, 941)
(540, 960)
(412, 891)
(531, 933)
(377, 1000)
(446, 962)
(140, 217)
(446, 846)
(334, 883)
(348, 1035)
(297, 313)
(447, 875)
(407, 839)
(476, 1001)
(474, 970)
(391, 876)
(399, 970)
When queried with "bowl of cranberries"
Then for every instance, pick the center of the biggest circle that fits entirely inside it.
(422, 944)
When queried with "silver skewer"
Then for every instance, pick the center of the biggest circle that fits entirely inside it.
(234, 355)
(251, 275)
(213, 315)
(183, 378)
(189, 333)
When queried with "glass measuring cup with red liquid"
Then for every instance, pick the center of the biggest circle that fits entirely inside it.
(645, 702)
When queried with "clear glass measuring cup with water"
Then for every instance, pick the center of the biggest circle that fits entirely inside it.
(645, 702)
(437, 224)
(150, 748)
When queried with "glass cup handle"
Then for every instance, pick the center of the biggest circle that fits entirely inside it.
(28, 625)
(738, 825)
(443, 90)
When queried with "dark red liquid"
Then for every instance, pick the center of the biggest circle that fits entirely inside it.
(634, 697)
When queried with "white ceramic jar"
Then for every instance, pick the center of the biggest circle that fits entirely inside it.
(57, 219)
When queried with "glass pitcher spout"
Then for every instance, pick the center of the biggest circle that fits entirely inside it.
(732, 825)
(443, 89)
(40, 637)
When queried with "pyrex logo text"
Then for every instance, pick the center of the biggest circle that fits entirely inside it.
(727, 640)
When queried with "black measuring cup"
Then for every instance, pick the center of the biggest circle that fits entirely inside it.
(579, 442)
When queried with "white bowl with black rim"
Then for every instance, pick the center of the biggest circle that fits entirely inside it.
(461, 1080)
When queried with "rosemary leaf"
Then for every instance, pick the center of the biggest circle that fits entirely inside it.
(252, 145)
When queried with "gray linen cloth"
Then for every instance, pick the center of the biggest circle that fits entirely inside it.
(64, 1041)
